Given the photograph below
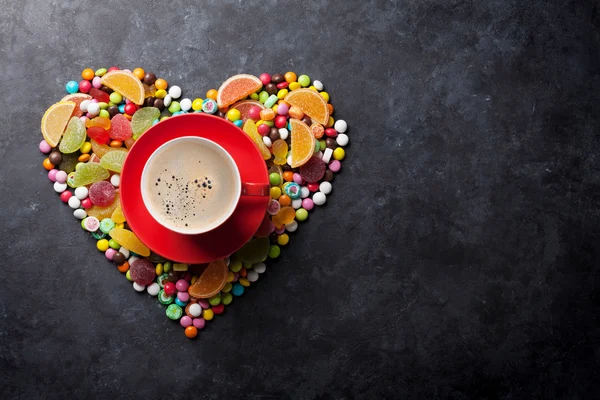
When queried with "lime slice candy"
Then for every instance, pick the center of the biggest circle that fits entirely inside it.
(74, 136)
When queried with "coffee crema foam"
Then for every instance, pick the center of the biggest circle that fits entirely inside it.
(189, 185)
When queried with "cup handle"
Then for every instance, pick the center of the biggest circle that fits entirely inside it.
(254, 189)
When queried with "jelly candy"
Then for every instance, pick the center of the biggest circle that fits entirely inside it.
(99, 134)
(118, 216)
(143, 119)
(236, 88)
(267, 114)
(280, 150)
(77, 98)
(283, 217)
(311, 103)
(98, 121)
(313, 170)
(120, 128)
(99, 95)
(102, 193)
(104, 212)
(250, 129)
(149, 91)
(303, 142)
(74, 136)
(255, 250)
(142, 272)
(88, 173)
(126, 84)
(244, 107)
(317, 130)
(94, 158)
(100, 149)
(127, 239)
(113, 160)
(68, 162)
(55, 120)
(211, 281)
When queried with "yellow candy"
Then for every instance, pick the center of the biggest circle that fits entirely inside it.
(294, 86)
(159, 269)
(102, 245)
(325, 95)
(283, 239)
(194, 279)
(282, 93)
(230, 277)
(180, 267)
(161, 93)
(197, 104)
(208, 314)
(121, 225)
(117, 215)
(339, 154)
(280, 150)
(330, 122)
(127, 239)
(244, 282)
(275, 192)
(313, 88)
(86, 148)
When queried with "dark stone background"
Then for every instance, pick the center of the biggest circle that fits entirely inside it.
(456, 257)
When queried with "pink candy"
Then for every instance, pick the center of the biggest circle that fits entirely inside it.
(45, 147)
(298, 179)
(61, 176)
(84, 86)
(199, 323)
(204, 304)
(97, 82)
(109, 253)
(183, 296)
(335, 166)
(254, 113)
(308, 204)
(182, 285)
(52, 175)
(265, 78)
(283, 109)
(185, 321)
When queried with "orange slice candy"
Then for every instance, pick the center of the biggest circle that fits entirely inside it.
(77, 98)
(55, 120)
(250, 129)
(303, 143)
(311, 103)
(236, 88)
(127, 239)
(126, 84)
(211, 281)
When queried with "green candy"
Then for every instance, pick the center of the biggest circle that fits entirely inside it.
(167, 266)
(128, 275)
(254, 96)
(235, 266)
(115, 98)
(101, 72)
(112, 243)
(274, 251)
(104, 114)
(270, 102)
(275, 179)
(304, 80)
(98, 235)
(174, 107)
(322, 145)
(301, 214)
(103, 105)
(263, 96)
(143, 119)
(107, 225)
(164, 299)
(215, 300)
(162, 279)
(227, 298)
(174, 312)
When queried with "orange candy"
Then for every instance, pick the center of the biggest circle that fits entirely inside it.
(191, 332)
(280, 150)
(102, 122)
(284, 200)
(290, 77)
(267, 114)
(88, 74)
(47, 164)
(303, 143)
(84, 158)
(288, 176)
(311, 103)
(161, 84)
(116, 143)
(295, 112)
(330, 108)
(212, 94)
(236, 88)
(284, 216)
(317, 130)
(123, 267)
(211, 281)
(139, 73)
(125, 83)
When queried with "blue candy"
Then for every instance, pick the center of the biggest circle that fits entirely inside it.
(72, 87)
(180, 303)
(237, 289)
(209, 106)
(239, 123)
(122, 108)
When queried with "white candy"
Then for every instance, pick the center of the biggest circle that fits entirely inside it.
(292, 226)
(93, 109)
(319, 198)
(60, 187)
(260, 267)
(289, 160)
(297, 203)
(267, 141)
(83, 106)
(304, 192)
(138, 288)
(195, 309)
(318, 85)
(115, 180)
(132, 259)
(283, 133)
(185, 104)
(340, 126)
(124, 251)
(153, 289)
(252, 276)
(80, 213)
(325, 187)
(342, 139)
(327, 155)
(74, 202)
(227, 261)
(167, 100)
(175, 92)
(81, 192)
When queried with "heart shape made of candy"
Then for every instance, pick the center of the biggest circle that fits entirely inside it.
(87, 137)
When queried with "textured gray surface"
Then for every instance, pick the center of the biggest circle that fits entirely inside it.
(457, 256)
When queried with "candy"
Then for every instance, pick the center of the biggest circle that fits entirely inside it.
(303, 143)
(174, 312)
(55, 120)
(117, 215)
(142, 271)
(101, 212)
(153, 289)
(143, 119)
(78, 99)
(280, 150)
(313, 170)
(88, 173)
(113, 160)
(128, 239)
(251, 131)
(127, 84)
(91, 224)
(120, 128)
(106, 225)
(292, 189)
(79, 213)
(236, 88)
(335, 166)
(283, 217)
(102, 193)
(310, 103)
(211, 281)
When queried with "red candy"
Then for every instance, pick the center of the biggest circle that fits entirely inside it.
(86, 203)
(280, 121)
(99, 134)
(102, 193)
(330, 132)
(65, 196)
(99, 95)
(313, 170)
(120, 128)
(313, 187)
(254, 113)
(220, 309)
(113, 68)
(130, 109)
(85, 86)
(282, 85)
(265, 78)
(264, 129)
(142, 272)
(169, 288)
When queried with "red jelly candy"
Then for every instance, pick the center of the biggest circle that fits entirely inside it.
(142, 272)
(99, 95)
(120, 128)
(313, 170)
(102, 193)
(99, 134)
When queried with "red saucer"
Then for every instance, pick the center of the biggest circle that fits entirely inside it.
(227, 238)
